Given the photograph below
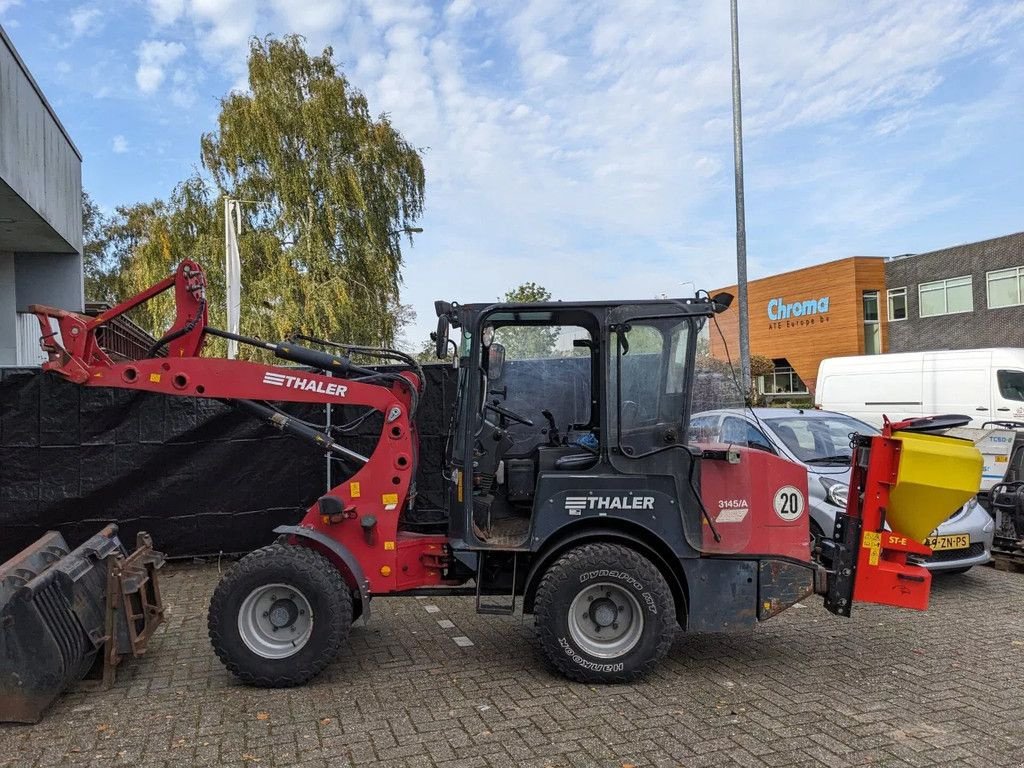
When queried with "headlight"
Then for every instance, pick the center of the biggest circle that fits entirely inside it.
(836, 493)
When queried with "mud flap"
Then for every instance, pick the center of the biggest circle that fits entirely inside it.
(62, 612)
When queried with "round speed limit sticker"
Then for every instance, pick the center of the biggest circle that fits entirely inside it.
(788, 503)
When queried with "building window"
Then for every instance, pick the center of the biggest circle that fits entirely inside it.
(781, 381)
(897, 304)
(946, 297)
(872, 326)
(1004, 287)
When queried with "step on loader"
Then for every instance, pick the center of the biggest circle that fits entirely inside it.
(571, 489)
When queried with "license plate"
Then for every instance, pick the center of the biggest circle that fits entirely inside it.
(954, 541)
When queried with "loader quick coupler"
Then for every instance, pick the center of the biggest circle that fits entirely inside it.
(64, 613)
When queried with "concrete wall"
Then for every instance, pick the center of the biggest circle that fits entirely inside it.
(984, 327)
(48, 278)
(41, 170)
(40, 207)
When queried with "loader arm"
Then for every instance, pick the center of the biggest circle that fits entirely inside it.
(357, 521)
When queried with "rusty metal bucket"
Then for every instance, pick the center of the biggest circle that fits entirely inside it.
(64, 613)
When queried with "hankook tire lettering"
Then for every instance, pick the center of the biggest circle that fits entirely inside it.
(572, 654)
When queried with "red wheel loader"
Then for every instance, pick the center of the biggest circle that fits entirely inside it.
(571, 489)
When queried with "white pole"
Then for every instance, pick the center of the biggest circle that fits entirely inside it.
(232, 270)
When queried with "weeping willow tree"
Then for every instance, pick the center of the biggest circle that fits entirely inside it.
(329, 187)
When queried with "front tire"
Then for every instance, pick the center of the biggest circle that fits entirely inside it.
(604, 614)
(280, 616)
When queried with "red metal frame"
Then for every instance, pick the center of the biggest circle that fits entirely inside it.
(883, 574)
(392, 560)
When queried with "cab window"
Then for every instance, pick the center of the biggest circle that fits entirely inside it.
(547, 368)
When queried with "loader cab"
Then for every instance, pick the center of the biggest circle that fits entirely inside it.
(558, 391)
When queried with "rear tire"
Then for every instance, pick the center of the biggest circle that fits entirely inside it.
(280, 616)
(604, 614)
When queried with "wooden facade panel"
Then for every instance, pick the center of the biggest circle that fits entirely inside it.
(807, 315)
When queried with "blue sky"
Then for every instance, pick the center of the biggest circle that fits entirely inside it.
(585, 146)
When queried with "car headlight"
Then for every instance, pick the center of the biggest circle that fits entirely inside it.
(836, 493)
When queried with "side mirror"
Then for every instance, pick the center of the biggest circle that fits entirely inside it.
(495, 360)
(721, 302)
(441, 338)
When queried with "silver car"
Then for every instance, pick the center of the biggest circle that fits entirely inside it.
(820, 441)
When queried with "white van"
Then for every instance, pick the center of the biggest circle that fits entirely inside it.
(985, 384)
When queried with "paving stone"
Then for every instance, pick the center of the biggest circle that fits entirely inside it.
(884, 688)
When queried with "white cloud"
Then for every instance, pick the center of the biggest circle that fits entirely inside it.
(589, 148)
(154, 57)
(119, 144)
(224, 26)
(85, 21)
(166, 12)
(6, 5)
(183, 94)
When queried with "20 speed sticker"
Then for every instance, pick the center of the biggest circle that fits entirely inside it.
(788, 503)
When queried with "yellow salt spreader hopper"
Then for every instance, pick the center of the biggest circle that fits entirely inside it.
(904, 482)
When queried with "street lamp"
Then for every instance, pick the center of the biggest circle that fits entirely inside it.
(741, 222)
(406, 231)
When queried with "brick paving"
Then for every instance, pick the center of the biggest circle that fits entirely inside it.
(887, 687)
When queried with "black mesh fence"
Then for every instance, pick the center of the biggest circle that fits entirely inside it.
(197, 474)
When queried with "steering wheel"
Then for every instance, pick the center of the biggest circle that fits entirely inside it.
(508, 414)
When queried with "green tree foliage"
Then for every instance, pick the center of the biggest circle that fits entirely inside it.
(524, 342)
(95, 258)
(331, 186)
(334, 184)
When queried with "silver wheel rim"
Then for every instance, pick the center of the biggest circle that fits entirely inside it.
(605, 620)
(275, 621)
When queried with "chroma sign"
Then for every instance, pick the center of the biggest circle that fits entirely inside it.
(778, 309)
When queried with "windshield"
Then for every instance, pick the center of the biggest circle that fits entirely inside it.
(818, 439)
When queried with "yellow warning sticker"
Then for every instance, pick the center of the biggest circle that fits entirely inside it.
(389, 500)
(873, 541)
(389, 545)
(155, 378)
(353, 490)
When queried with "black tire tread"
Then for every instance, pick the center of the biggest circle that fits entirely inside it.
(313, 566)
(577, 559)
